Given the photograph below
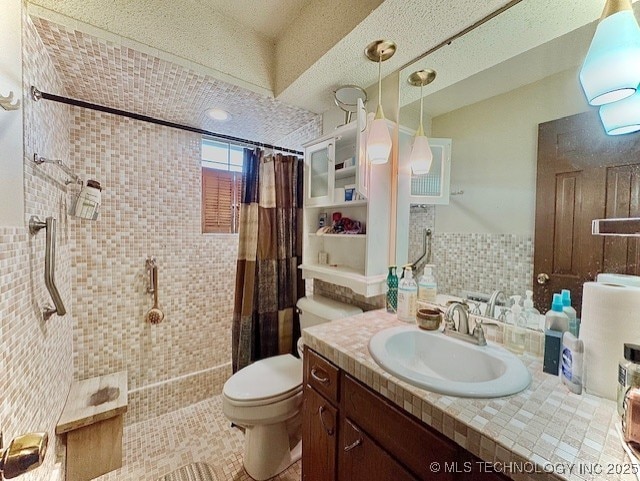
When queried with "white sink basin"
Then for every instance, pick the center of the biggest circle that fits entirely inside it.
(438, 363)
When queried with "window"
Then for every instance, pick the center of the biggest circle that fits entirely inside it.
(221, 186)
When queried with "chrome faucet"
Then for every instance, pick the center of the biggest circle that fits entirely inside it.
(463, 317)
(462, 331)
(490, 310)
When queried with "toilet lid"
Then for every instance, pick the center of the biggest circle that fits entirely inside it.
(265, 379)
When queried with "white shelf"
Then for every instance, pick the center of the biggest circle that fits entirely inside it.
(349, 203)
(345, 172)
(367, 286)
(342, 236)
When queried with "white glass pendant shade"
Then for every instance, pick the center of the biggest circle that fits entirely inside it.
(379, 142)
(622, 117)
(421, 156)
(611, 70)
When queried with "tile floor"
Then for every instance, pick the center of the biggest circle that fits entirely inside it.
(199, 432)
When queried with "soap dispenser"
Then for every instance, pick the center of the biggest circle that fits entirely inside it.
(427, 286)
(515, 329)
(407, 296)
(531, 314)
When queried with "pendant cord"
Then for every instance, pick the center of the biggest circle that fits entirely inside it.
(421, 103)
(380, 79)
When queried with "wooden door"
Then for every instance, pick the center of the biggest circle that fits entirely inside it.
(319, 438)
(583, 174)
(360, 458)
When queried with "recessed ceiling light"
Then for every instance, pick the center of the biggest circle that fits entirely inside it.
(218, 114)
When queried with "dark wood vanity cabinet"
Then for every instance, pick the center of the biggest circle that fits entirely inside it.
(351, 433)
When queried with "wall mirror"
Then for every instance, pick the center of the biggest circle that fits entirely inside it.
(494, 87)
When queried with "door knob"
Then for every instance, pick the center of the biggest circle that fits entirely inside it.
(543, 278)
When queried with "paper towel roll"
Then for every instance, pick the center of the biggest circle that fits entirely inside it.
(620, 279)
(610, 317)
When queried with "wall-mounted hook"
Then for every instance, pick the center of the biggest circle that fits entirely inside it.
(7, 103)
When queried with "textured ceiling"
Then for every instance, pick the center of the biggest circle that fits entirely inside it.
(108, 74)
(532, 40)
(269, 17)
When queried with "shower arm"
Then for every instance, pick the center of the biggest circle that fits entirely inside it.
(35, 224)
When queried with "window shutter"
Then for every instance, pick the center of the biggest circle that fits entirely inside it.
(218, 198)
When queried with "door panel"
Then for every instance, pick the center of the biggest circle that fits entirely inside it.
(623, 188)
(319, 438)
(362, 459)
(568, 194)
(583, 174)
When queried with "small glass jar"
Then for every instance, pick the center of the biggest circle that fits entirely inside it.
(631, 418)
(628, 373)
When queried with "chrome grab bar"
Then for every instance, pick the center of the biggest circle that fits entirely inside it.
(35, 224)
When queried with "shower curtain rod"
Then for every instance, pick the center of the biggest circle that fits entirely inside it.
(37, 95)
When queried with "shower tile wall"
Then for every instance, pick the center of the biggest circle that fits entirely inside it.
(151, 179)
(474, 262)
(36, 361)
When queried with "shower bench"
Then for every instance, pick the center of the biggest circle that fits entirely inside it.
(91, 422)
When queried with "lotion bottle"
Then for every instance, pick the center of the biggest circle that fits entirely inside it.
(515, 329)
(572, 354)
(427, 286)
(407, 297)
(531, 314)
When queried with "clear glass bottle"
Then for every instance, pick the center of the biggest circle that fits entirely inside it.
(392, 290)
(628, 373)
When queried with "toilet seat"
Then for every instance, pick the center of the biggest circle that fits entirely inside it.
(265, 382)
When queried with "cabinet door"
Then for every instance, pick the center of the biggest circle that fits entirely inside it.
(320, 172)
(362, 170)
(319, 438)
(431, 188)
(362, 459)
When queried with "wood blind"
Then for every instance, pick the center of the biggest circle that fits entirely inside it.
(221, 191)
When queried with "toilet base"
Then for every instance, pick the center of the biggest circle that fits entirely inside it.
(272, 448)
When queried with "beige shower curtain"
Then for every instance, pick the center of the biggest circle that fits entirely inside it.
(268, 281)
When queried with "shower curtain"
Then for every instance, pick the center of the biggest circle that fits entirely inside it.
(268, 281)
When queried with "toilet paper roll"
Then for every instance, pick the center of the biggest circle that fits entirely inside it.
(610, 317)
(619, 279)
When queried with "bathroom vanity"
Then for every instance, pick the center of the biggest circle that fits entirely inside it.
(360, 422)
(352, 433)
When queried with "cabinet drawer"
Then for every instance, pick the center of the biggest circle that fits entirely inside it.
(321, 375)
(409, 441)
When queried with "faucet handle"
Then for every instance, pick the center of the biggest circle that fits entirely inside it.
(478, 333)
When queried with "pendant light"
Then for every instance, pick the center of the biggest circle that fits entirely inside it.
(611, 70)
(621, 117)
(421, 156)
(379, 139)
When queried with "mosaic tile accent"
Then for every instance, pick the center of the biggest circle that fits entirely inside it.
(36, 361)
(483, 262)
(473, 262)
(112, 74)
(545, 429)
(346, 295)
(197, 433)
(151, 179)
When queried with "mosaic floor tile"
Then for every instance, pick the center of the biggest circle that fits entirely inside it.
(199, 433)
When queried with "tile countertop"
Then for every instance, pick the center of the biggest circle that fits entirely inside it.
(544, 432)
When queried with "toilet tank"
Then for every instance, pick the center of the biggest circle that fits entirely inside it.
(317, 310)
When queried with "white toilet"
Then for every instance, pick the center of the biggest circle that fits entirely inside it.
(265, 398)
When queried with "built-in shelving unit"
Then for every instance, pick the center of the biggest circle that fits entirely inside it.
(356, 261)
